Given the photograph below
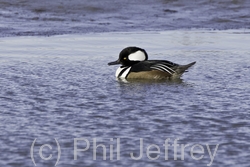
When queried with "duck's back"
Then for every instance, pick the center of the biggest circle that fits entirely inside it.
(152, 69)
(157, 69)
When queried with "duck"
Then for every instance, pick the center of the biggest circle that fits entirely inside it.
(135, 65)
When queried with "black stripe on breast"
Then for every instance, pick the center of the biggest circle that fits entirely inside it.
(120, 74)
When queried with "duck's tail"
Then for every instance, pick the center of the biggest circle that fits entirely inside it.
(182, 68)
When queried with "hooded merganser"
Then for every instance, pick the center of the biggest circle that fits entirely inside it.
(135, 65)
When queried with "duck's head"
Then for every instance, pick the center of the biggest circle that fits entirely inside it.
(130, 56)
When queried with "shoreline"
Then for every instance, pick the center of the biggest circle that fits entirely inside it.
(51, 34)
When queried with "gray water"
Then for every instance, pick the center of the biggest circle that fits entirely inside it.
(61, 88)
(23, 17)
(59, 97)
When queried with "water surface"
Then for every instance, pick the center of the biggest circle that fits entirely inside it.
(22, 17)
(61, 88)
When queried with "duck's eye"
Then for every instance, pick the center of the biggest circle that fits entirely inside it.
(125, 58)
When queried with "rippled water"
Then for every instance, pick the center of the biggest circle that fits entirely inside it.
(23, 17)
(62, 88)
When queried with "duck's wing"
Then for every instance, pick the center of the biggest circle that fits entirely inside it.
(164, 66)
(160, 65)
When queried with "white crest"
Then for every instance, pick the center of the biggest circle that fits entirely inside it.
(137, 56)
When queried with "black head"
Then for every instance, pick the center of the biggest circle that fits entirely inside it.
(130, 56)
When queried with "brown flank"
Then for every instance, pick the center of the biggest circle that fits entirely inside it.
(154, 74)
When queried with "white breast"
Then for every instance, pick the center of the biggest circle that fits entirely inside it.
(121, 73)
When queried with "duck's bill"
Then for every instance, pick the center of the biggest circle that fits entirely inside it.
(114, 62)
